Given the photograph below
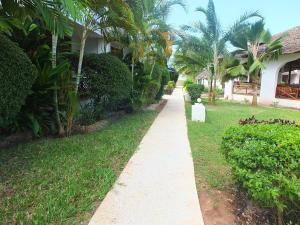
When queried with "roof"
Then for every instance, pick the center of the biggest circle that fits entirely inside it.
(291, 43)
(204, 74)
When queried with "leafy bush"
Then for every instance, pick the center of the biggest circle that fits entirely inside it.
(174, 75)
(170, 87)
(86, 115)
(108, 79)
(17, 74)
(164, 79)
(265, 160)
(187, 83)
(195, 91)
(150, 92)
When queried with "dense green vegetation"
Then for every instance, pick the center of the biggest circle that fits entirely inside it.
(17, 75)
(195, 91)
(44, 30)
(108, 80)
(61, 181)
(211, 167)
(265, 160)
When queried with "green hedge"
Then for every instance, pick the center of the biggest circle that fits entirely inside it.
(195, 91)
(17, 75)
(265, 160)
(108, 79)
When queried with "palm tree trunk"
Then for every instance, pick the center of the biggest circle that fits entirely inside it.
(214, 88)
(215, 73)
(255, 89)
(210, 94)
(132, 72)
(152, 69)
(55, 92)
(82, 47)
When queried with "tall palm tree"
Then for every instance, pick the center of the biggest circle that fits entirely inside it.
(216, 37)
(153, 41)
(257, 44)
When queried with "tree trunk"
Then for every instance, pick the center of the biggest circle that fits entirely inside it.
(132, 72)
(255, 89)
(279, 217)
(60, 128)
(152, 69)
(214, 89)
(215, 73)
(82, 47)
(210, 94)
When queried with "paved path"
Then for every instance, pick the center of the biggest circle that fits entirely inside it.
(157, 187)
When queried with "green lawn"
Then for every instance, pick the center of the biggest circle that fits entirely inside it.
(205, 138)
(62, 181)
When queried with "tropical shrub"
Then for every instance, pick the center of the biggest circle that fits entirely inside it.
(173, 74)
(108, 80)
(195, 91)
(265, 160)
(17, 74)
(150, 92)
(164, 79)
(187, 83)
(170, 87)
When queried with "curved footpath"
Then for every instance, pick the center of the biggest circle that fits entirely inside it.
(157, 187)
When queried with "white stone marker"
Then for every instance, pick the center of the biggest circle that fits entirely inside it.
(198, 112)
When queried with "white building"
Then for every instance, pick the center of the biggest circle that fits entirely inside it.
(279, 81)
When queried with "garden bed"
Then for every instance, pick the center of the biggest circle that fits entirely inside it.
(62, 181)
(221, 202)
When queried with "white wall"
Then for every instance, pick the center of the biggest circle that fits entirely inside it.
(92, 45)
(206, 83)
(269, 78)
(269, 81)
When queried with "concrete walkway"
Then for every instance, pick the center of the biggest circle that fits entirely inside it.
(157, 187)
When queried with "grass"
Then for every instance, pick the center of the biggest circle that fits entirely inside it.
(62, 181)
(205, 138)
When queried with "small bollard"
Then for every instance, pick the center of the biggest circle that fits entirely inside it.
(198, 112)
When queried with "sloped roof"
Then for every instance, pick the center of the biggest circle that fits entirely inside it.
(291, 43)
(204, 74)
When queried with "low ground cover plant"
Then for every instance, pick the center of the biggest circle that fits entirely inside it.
(253, 120)
(265, 161)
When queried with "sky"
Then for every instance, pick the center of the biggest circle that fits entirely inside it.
(280, 15)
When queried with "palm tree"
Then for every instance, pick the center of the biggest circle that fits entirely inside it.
(103, 16)
(152, 42)
(213, 33)
(192, 56)
(255, 42)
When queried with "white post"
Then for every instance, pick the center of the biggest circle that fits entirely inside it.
(228, 90)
